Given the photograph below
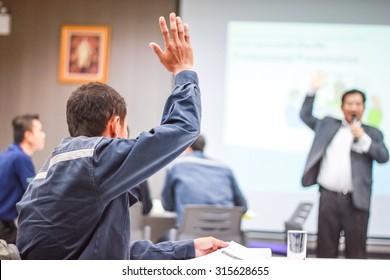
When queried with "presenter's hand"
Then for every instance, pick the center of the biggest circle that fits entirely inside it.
(357, 131)
(207, 245)
(178, 54)
(317, 82)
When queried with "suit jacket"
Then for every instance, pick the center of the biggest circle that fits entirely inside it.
(361, 164)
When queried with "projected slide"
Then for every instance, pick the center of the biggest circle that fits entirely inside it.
(268, 72)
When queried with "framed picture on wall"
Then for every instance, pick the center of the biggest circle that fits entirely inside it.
(84, 54)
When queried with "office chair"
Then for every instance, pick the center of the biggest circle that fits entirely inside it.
(222, 222)
(299, 216)
(138, 229)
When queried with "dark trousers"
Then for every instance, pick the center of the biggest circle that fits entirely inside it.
(337, 213)
(8, 231)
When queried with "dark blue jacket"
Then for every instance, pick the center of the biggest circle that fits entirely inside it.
(77, 207)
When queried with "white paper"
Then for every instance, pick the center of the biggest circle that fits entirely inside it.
(236, 251)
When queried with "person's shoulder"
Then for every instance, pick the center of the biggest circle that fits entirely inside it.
(15, 152)
(371, 130)
(178, 162)
(182, 161)
(4, 153)
(80, 143)
(17, 158)
(367, 126)
(218, 163)
(211, 162)
(329, 120)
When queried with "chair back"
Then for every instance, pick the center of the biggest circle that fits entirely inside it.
(299, 216)
(222, 222)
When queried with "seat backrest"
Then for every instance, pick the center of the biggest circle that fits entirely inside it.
(299, 216)
(222, 222)
(139, 231)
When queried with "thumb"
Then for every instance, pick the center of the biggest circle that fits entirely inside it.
(157, 50)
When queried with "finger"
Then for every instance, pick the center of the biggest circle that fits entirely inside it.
(187, 33)
(223, 244)
(180, 29)
(157, 50)
(173, 27)
(219, 243)
(164, 30)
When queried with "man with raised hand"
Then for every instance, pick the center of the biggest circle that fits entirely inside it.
(77, 205)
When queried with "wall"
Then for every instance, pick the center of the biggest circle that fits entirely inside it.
(29, 59)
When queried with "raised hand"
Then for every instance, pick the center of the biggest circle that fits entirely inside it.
(178, 54)
(317, 82)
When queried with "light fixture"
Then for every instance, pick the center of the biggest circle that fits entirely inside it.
(5, 20)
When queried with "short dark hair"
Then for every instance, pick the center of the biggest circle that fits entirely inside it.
(353, 91)
(91, 106)
(21, 124)
(199, 144)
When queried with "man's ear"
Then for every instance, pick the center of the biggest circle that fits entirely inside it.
(28, 136)
(115, 127)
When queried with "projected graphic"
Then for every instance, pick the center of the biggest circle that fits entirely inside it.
(269, 70)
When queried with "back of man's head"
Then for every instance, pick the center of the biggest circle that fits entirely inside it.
(21, 124)
(199, 144)
(91, 106)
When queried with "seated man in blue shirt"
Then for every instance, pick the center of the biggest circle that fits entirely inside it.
(197, 179)
(77, 206)
(17, 170)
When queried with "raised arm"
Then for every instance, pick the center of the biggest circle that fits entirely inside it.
(138, 159)
(306, 113)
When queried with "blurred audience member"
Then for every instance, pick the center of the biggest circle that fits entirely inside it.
(17, 170)
(197, 179)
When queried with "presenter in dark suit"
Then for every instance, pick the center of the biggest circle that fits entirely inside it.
(340, 162)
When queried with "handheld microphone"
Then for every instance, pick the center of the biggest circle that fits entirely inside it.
(354, 122)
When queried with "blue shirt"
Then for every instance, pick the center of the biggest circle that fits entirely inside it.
(77, 206)
(16, 171)
(196, 179)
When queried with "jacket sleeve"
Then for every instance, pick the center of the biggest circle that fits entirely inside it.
(146, 250)
(142, 194)
(378, 150)
(306, 113)
(168, 193)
